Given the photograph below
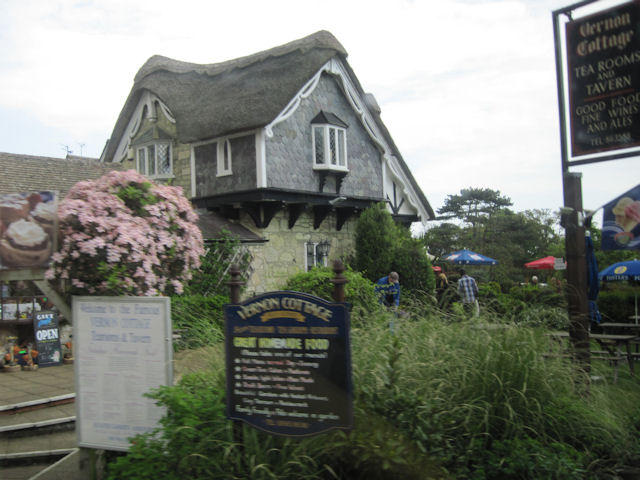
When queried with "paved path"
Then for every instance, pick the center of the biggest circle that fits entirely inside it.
(20, 392)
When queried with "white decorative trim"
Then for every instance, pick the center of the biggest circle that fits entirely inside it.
(336, 68)
(261, 159)
(148, 100)
(293, 105)
(192, 165)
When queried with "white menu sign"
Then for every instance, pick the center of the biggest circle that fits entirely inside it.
(122, 349)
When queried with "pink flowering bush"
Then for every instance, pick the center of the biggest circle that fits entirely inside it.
(125, 235)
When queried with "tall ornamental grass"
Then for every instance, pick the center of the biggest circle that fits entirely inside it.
(433, 399)
(479, 396)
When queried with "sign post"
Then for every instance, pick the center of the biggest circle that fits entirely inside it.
(599, 67)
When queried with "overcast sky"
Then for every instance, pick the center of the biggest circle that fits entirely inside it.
(467, 87)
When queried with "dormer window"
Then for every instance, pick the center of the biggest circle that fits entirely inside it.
(154, 160)
(153, 154)
(329, 138)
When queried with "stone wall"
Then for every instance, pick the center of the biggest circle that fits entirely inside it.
(283, 255)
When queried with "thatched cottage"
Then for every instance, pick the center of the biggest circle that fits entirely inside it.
(284, 143)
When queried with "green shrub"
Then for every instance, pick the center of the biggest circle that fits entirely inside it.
(375, 241)
(617, 302)
(198, 320)
(210, 279)
(411, 262)
(359, 291)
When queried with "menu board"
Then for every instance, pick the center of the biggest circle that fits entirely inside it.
(47, 334)
(289, 364)
(122, 349)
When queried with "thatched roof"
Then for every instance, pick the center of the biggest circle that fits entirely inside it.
(238, 95)
(213, 100)
(29, 173)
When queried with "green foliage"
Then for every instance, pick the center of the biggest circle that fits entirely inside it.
(528, 458)
(137, 196)
(474, 206)
(382, 247)
(464, 392)
(411, 262)
(617, 302)
(198, 320)
(375, 240)
(211, 277)
(359, 291)
(462, 397)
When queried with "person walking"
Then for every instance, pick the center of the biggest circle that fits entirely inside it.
(468, 291)
(441, 286)
(388, 290)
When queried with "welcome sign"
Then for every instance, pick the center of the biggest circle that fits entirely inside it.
(289, 364)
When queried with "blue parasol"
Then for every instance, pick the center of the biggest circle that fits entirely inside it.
(593, 285)
(621, 272)
(467, 257)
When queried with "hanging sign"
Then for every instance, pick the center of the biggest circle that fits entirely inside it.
(603, 53)
(289, 364)
(47, 334)
(621, 222)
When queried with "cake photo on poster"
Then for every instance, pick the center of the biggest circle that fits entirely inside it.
(28, 229)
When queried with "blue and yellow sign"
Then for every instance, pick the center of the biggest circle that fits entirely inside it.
(289, 364)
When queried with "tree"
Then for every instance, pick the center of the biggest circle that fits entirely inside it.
(442, 239)
(474, 206)
(125, 235)
(375, 238)
(382, 247)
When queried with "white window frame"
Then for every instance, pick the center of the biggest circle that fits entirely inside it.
(224, 158)
(318, 261)
(142, 165)
(335, 159)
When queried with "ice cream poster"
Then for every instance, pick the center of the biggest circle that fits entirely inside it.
(621, 222)
(28, 229)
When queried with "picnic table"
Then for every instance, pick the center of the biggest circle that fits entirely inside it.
(612, 345)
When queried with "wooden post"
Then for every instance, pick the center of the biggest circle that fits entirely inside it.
(338, 281)
(234, 285)
(576, 269)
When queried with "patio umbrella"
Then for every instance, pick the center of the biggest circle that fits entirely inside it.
(623, 272)
(467, 257)
(593, 285)
(546, 263)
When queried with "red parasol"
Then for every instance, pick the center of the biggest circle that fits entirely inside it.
(436, 269)
(546, 263)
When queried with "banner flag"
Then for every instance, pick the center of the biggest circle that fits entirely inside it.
(621, 222)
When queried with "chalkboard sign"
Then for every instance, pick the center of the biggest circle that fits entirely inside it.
(289, 364)
(47, 334)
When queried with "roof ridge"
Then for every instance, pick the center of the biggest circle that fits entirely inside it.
(319, 39)
(68, 158)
